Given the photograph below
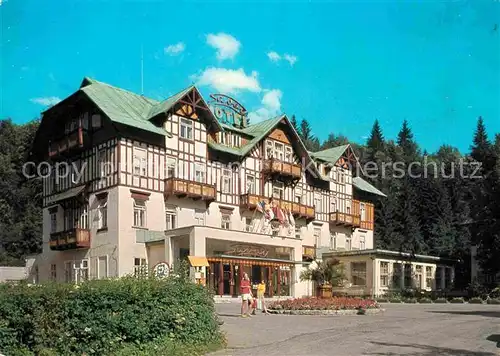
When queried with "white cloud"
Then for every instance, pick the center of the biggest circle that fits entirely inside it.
(276, 57)
(174, 50)
(46, 101)
(226, 45)
(271, 102)
(228, 80)
(290, 58)
(273, 56)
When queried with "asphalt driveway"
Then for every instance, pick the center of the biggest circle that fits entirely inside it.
(449, 329)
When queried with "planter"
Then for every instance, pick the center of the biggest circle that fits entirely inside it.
(325, 291)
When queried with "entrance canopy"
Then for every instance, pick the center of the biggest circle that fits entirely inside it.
(198, 261)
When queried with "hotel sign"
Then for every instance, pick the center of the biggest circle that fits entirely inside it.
(247, 251)
(227, 110)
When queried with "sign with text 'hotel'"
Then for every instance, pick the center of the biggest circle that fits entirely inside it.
(247, 251)
(228, 111)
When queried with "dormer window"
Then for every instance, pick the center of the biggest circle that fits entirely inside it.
(288, 154)
(96, 121)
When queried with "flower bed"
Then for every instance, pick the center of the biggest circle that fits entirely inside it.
(335, 303)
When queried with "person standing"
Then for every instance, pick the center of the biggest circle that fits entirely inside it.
(246, 296)
(261, 290)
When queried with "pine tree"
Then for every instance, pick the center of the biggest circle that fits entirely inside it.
(407, 143)
(294, 123)
(334, 141)
(375, 141)
(305, 130)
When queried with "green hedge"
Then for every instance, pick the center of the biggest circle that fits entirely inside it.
(493, 301)
(441, 301)
(102, 317)
(425, 300)
(457, 300)
(475, 301)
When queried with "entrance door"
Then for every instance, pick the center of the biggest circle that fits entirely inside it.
(227, 279)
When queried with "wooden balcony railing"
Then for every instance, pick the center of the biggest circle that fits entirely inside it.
(249, 201)
(70, 142)
(286, 169)
(70, 239)
(191, 189)
(345, 219)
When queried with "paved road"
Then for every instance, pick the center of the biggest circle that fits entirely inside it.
(445, 330)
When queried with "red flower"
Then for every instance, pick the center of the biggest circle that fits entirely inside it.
(335, 303)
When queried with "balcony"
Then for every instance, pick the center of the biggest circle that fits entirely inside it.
(345, 219)
(70, 143)
(283, 169)
(70, 239)
(185, 188)
(249, 202)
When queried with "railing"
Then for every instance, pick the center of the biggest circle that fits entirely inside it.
(250, 201)
(72, 140)
(191, 189)
(345, 219)
(283, 168)
(70, 239)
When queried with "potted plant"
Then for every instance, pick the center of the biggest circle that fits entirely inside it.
(326, 274)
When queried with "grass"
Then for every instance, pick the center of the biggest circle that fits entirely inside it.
(169, 347)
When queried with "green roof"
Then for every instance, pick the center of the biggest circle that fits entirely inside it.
(122, 106)
(168, 103)
(363, 185)
(330, 155)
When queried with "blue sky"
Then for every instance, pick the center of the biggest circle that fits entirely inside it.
(340, 65)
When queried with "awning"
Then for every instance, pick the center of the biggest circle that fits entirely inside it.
(198, 261)
(68, 194)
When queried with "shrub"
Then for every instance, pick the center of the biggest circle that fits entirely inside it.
(410, 300)
(457, 300)
(493, 301)
(425, 300)
(476, 301)
(395, 300)
(103, 316)
(382, 300)
(441, 301)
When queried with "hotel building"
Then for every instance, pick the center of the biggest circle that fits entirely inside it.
(130, 182)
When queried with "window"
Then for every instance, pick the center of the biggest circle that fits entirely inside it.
(278, 151)
(140, 267)
(317, 237)
(418, 277)
(362, 210)
(102, 267)
(199, 173)
(170, 165)
(84, 218)
(408, 276)
(275, 228)
(103, 166)
(358, 273)
(96, 121)
(348, 243)
(102, 211)
(53, 272)
(248, 225)
(226, 181)
(298, 195)
(288, 154)
(362, 242)
(317, 203)
(139, 213)
(199, 217)
(439, 278)
(226, 221)
(68, 223)
(171, 217)
(139, 161)
(278, 189)
(186, 129)
(333, 205)
(384, 274)
(53, 222)
(396, 275)
(428, 277)
(269, 149)
(76, 271)
(341, 177)
(333, 241)
(348, 207)
(250, 184)
(298, 231)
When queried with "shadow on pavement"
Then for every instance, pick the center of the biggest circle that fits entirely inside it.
(426, 350)
(486, 313)
(494, 338)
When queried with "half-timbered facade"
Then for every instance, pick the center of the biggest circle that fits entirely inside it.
(129, 182)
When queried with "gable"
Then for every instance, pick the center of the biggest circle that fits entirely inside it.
(279, 135)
